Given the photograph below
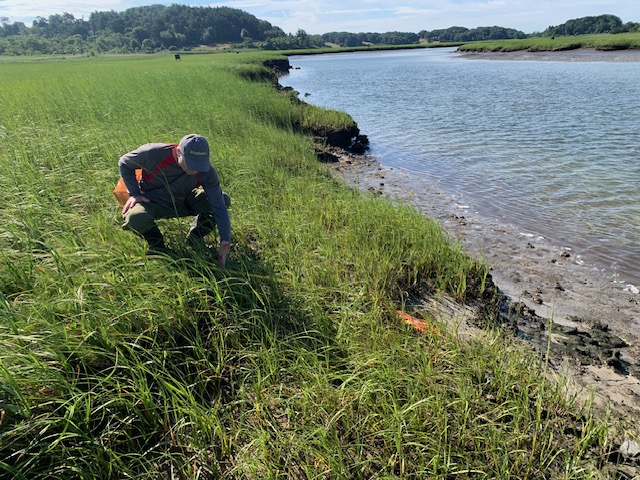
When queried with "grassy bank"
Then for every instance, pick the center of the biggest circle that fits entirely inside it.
(371, 48)
(621, 41)
(292, 362)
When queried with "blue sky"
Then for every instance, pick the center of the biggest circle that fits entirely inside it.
(321, 16)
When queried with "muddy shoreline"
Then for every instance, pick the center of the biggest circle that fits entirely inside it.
(588, 324)
(576, 55)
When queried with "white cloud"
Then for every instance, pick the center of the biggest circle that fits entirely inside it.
(23, 11)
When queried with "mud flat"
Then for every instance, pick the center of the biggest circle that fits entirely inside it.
(577, 55)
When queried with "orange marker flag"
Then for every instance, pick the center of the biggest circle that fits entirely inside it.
(421, 325)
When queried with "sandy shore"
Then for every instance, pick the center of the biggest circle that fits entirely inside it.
(593, 322)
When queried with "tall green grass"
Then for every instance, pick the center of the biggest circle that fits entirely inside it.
(290, 363)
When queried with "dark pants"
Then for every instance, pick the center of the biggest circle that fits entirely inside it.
(141, 218)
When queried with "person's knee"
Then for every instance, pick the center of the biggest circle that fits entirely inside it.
(138, 221)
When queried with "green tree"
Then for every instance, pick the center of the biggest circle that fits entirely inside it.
(302, 38)
(7, 29)
(148, 45)
(140, 34)
(586, 25)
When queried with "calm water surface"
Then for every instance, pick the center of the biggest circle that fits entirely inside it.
(550, 147)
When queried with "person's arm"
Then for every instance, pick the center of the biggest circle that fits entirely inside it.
(223, 251)
(131, 201)
(220, 215)
(128, 175)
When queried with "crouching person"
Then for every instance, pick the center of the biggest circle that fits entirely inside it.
(174, 181)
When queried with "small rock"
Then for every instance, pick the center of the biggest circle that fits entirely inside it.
(596, 324)
(630, 449)
(559, 287)
(565, 254)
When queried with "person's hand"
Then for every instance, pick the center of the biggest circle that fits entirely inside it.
(222, 253)
(131, 201)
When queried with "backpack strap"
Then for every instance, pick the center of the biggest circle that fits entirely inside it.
(165, 162)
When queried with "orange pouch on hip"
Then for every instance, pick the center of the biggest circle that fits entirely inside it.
(120, 191)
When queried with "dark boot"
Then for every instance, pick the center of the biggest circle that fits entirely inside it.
(201, 226)
(155, 240)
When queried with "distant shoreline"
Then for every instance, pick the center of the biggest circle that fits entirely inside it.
(576, 55)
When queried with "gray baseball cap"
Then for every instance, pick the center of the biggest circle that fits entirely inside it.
(194, 149)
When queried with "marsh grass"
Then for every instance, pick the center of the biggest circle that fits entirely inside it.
(290, 363)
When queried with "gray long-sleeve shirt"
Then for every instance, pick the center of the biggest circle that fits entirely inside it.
(170, 185)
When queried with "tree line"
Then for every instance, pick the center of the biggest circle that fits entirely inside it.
(154, 28)
(140, 29)
(347, 39)
(462, 34)
(591, 25)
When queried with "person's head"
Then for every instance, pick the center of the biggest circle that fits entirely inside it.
(193, 153)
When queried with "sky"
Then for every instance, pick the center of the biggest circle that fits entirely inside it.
(322, 16)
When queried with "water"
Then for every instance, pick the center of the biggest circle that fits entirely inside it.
(550, 147)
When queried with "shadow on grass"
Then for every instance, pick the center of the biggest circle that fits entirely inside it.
(235, 334)
(242, 319)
